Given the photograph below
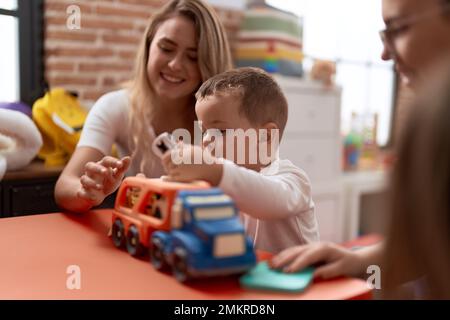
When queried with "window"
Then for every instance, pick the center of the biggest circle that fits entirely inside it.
(214, 213)
(156, 205)
(346, 31)
(132, 196)
(9, 60)
(21, 55)
(177, 209)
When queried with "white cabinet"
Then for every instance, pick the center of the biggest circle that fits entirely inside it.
(356, 186)
(312, 141)
(327, 207)
(316, 156)
(317, 114)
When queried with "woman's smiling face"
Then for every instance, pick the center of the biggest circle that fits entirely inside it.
(419, 36)
(172, 66)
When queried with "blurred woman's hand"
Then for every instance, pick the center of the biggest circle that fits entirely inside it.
(334, 260)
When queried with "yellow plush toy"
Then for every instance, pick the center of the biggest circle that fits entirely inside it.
(60, 118)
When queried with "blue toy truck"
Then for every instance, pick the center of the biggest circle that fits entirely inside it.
(206, 237)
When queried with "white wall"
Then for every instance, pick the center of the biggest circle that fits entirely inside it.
(232, 4)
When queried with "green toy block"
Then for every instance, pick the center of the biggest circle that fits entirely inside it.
(265, 278)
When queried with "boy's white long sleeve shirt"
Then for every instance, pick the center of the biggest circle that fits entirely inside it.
(276, 204)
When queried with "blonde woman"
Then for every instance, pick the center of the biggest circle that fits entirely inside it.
(183, 45)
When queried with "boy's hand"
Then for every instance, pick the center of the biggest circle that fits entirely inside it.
(102, 178)
(180, 165)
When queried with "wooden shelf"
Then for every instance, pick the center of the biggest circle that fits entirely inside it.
(35, 170)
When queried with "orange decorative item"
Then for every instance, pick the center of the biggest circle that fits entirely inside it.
(324, 71)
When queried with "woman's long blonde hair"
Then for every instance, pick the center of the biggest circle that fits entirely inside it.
(213, 57)
(418, 242)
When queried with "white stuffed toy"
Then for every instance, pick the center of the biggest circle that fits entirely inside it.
(20, 140)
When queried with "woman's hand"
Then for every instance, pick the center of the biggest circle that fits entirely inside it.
(102, 178)
(337, 260)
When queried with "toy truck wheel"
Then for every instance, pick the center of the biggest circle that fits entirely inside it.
(179, 265)
(134, 246)
(118, 234)
(157, 254)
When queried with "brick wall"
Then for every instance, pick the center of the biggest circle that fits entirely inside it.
(99, 57)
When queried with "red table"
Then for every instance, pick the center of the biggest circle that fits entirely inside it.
(37, 250)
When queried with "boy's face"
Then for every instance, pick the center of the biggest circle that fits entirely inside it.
(220, 112)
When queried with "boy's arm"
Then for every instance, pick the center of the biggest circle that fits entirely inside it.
(282, 195)
(267, 197)
(185, 170)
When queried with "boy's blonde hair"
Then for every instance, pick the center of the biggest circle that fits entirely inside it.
(214, 57)
(262, 99)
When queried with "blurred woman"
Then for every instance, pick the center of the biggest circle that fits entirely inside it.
(417, 38)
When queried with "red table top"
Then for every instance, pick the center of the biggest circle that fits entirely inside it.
(37, 250)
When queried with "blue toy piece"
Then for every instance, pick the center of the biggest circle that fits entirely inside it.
(206, 239)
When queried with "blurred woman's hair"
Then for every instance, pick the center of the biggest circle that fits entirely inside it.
(418, 242)
(213, 54)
